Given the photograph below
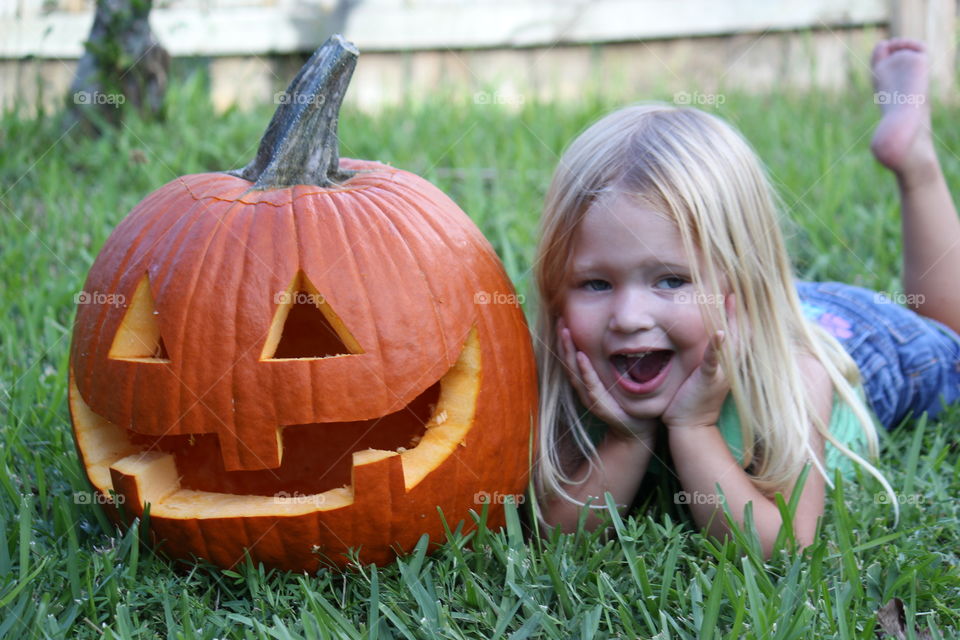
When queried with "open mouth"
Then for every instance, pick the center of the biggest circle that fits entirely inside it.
(322, 467)
(641, 367)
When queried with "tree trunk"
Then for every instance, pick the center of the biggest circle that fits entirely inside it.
(124, 67)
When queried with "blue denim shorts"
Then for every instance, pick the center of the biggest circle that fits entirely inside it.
(910, 364)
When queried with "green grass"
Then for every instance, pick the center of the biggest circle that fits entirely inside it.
(65, 572)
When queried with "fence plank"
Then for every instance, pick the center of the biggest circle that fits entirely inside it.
(389, 25)
(933, 21)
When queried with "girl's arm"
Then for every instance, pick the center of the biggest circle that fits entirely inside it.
(702, 461)
(622, 462)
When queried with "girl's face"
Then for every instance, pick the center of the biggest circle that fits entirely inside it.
(630, 304)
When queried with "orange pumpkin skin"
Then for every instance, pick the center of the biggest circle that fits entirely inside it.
(292, 458)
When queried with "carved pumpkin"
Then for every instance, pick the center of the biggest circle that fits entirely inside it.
(301, 363)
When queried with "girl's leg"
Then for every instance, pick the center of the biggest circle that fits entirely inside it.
(904, 144)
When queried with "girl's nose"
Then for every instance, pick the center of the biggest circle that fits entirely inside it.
(631, 313)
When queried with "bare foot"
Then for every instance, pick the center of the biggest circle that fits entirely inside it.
(902, 141)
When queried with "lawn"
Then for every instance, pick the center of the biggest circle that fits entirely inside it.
(65, 572)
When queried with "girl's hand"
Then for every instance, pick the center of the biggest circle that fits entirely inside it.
(699, 399)
(595, 396)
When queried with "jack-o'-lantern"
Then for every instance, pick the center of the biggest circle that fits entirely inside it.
(302, 356)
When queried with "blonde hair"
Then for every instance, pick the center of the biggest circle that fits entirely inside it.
(697, 170)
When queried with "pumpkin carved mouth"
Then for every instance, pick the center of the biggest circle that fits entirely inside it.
(325, 466)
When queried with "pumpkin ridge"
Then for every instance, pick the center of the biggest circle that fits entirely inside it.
(188, 296)
(341, 222)
(157, 285)
(128, 262)
(433, 218)
(440, 226)
(119, 273)
(314, 392)
(386, 212)
(248, 256)
(296, 233)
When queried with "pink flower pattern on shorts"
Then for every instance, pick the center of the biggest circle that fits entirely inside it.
(833, 324)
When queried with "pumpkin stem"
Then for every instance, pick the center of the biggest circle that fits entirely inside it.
(300, 144)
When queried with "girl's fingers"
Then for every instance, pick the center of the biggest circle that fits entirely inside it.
(570, 358)
(590, 378)
(586, 382)
(568, 351)
(731, 308)
(711, 356)
(598, 400)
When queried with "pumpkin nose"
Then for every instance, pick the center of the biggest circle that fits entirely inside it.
(305, 325)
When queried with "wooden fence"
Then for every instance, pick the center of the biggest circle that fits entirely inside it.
(509, 49)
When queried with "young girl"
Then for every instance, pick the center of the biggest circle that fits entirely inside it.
(669, 310)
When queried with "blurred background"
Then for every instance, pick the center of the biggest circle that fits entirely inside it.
(498, 51)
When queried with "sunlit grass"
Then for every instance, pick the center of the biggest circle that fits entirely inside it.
(66, 572)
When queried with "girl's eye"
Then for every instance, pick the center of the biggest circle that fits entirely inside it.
(670, 282)
(596, 285)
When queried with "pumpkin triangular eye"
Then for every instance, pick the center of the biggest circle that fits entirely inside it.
(306, 326)
(138, 337)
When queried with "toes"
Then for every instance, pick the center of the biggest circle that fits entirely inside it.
(886, 48)
(880, 51)
(906, 44)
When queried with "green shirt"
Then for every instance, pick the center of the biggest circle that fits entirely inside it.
(844, 426)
